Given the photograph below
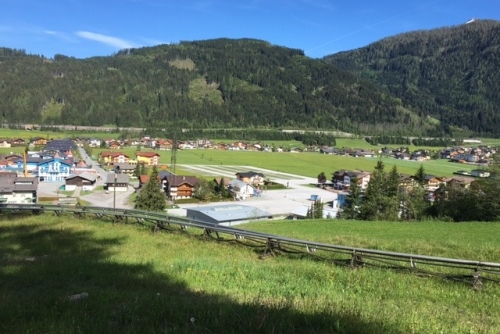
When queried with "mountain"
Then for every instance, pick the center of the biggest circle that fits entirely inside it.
(448, 75)
(221, 83)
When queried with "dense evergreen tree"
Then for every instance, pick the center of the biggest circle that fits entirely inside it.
(419, 176)
(151, 197)
(379, 202)
(316, 210)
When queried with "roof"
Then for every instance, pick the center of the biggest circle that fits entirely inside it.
(163, 174)
(10, 182)
(120, 178)
(112, 154)
(177, 180)
(61, 145)
(146, 154)
(249, 174)
(229, 212)
(238, 184)
(124, 165)
(85, 175)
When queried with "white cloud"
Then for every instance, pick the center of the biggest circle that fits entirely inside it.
(108, 40)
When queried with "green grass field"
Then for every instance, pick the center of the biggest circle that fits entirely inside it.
(306, 164)
(25, 134)
(442, 239)
(139, 282)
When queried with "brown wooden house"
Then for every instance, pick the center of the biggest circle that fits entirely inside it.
(178, 186)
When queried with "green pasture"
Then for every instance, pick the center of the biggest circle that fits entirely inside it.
(137, 281)
(433, 238)
(307, 164)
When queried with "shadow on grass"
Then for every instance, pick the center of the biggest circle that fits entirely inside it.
(42, 264)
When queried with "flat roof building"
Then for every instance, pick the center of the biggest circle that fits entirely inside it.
(227, 215)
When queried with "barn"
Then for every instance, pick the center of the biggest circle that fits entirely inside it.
(227, 215)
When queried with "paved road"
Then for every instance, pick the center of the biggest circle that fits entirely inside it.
(99, 198)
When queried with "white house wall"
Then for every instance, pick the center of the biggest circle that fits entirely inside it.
(17, 198)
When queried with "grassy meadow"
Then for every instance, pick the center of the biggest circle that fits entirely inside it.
(307, 164)
(442, 239)
(180, 282)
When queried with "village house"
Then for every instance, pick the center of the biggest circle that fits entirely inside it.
(147, 158)
(406, 183)
(251, 177)
(117, 181)
(17, 189)
(433, 182)
(5, 143)
(241, 190)
(341, 179)
(18, 142)
(178, 186)
(125, 168)
(38, 141)
(86, 180)
(54, 170)
(110, 158)
(164, 144)
(94, 142)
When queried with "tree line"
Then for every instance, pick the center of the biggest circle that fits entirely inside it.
(386, 199)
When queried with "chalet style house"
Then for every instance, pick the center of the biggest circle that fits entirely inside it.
(177, 186)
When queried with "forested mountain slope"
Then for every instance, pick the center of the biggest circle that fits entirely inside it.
(218, 83)
(451, 74)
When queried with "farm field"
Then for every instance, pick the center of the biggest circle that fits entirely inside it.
(140, 282)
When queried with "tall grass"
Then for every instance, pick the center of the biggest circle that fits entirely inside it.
(139, 282)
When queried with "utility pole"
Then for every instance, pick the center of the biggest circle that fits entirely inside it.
(173, 163)
(114, 192)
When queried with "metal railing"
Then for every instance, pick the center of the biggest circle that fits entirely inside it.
(470, 271)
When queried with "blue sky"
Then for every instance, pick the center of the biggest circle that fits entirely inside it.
(86, 28)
